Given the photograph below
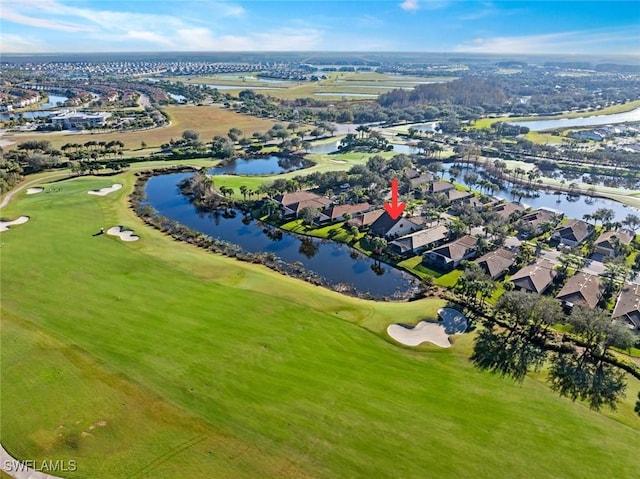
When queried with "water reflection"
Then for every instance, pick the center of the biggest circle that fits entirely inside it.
(336, 263)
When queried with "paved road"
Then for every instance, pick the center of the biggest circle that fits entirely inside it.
(43, 179)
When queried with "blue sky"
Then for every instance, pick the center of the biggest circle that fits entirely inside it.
(30, 26)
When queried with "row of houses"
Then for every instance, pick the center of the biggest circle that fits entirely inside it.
(410, 236)
(9, 102)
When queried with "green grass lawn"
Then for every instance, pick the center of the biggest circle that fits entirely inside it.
(156, 359)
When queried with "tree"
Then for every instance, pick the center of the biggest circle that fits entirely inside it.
(308, 214)
(474, 284)
(143, 145)
(435, 167)
(585, 374)
(234, 134)
(632, 221)
(520, 346)
(637, 408)
(191, 138)
(471, 179)
(244, 191)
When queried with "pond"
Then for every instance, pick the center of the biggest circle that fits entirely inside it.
(270, 165)
(252, 78)
(572, 207)
(53, 100)
(241, 87)
(332, 147)
(362, 95)
(539, 125)
(335, 262)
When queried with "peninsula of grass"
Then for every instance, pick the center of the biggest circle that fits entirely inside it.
(157, 359)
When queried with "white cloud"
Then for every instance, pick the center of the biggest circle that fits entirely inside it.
(20, 44)
(594, 41)
(410, 5)
(50, 24)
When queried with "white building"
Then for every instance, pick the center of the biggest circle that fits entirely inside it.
(74, 119)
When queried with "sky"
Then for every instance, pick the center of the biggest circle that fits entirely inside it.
(501, 27)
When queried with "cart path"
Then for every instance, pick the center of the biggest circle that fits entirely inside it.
(18, 470)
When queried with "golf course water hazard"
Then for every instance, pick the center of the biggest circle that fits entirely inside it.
(337, 263)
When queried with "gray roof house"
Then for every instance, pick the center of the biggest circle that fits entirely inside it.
(608, 243)
(414, 243)
(536, 277)
(628, 306)
(573, 232)
(497, 263)
(450, 255)
(582, 289)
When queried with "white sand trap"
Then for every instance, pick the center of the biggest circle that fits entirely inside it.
(338, 161)
(35, 190)
(4, 225)
(106, 191)
(452, 322)
(423, 331)
(125, 235)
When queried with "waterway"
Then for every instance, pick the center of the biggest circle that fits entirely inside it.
(271, 165)
(335, 262)
(572, 207)
(597, 120)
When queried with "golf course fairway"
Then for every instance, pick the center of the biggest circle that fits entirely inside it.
(154, 359)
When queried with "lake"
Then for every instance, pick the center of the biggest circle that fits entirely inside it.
(332, 147)
(270, 165)
(53, 100)
(362, 95)
(241, 87)
(572, 207)
(335, 262)
(598, 120)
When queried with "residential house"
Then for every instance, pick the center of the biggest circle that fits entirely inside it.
(389, 228)
(440, 187)
(365, 220)
(337, 212)
(450, 255)
(456, 196)
(497, 263)
(532, 223)
(608, 243)
(293, 203)
(535, 278)
(415, 243)
(505, 210)
(628, 306)
(573, 232)
(418, 181)
(582, 289)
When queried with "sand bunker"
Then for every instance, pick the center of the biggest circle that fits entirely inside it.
(125, 235)
(423, 331)
(35, 190)
(106, 191)
(4, 225)
(453, 322)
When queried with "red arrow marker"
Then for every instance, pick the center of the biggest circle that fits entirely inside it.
(394, 208)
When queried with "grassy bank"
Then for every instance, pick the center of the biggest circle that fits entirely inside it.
(155, 359)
